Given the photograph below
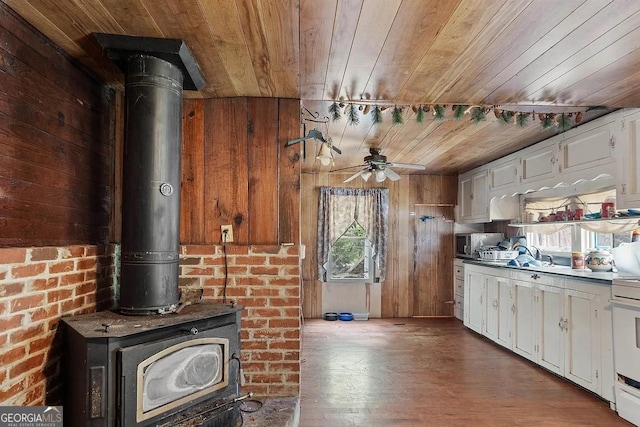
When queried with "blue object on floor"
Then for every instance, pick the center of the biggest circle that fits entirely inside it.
(345, 316)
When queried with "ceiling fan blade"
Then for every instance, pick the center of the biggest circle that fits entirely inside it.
(407, 166)
(354, 176)
(392, 175)
(346, 168)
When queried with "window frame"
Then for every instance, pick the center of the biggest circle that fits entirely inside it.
(369, 264)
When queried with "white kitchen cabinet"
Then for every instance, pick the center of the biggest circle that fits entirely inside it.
(551, 328)
(504, 177)
(524, 319)
(582, 361)
(588, 151)
(473, 197)
(498, 320)
(628, 161)
(474, 298)
(539, 165)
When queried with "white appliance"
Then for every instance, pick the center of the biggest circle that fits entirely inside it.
(626, 345)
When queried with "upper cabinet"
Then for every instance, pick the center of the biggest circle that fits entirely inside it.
(628, 158)
(540, 165)
(473, 197)
(504, 177)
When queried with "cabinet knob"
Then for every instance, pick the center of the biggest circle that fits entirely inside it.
(535, 276)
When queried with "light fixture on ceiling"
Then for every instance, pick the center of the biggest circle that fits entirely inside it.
(380, 175)
(324, 154)
(366, 175)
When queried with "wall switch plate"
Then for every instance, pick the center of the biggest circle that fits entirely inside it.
(229, 230)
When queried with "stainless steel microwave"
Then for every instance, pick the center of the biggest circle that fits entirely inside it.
(468, 244)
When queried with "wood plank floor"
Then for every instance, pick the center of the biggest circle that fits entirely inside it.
(431, 372)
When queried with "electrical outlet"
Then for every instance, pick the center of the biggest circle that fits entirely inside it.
(229, 233)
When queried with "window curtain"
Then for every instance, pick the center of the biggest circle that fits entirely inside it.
(339, 207)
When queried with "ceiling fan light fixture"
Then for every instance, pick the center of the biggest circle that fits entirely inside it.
(366, 175)
(324, 154)
(380, 175)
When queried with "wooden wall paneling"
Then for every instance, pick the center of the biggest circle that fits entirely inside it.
(289, 167)
(404, 244)
(433, 280)
(311, 286)
(192, 203)
(226, 180)
(262, 140)
(390, 305)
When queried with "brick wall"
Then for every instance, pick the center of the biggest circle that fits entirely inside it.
(40, 285)
(37, 287)
(266, 281)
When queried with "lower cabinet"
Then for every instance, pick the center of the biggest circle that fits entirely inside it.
(562, 324)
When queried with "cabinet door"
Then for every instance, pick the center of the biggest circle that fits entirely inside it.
(474, 300)
(551, 336)
(498, 310)
(524, 326)
(539, 165)
(480, 200)
(628, 188)
(504, 177)
(582, 351)
(589, 150)
(465, 198)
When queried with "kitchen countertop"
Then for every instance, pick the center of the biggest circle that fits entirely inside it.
(559, 270)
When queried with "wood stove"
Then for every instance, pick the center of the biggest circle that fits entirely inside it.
(155, 361)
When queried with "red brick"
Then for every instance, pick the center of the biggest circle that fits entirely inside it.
(3, 274)
(284, 345)
(214, 281)
(266, 333)
(27, 365)
(292, 312)
(264, 292)
(254, 367)
(284, 323)
(244, 335)
(91, 250)
(288, 260)
(205, 271)
(72, 252)
(12, 322)
(13, 355)
(190, 261)
(258, 390)
(293, 250)
(87, 264)
(280, 390)
(213, 261)
(35, 396)
(199, 250)
(71, 305)
(3, 340)
(240, 271)
(265, 249)
(292, 292)
(250, 260)
(12, 391)
(285, 367)
(71, 279)
(253, 302)
(291, 355)
(12, 255)
(44, 284)
(28, 270)
(45, 313)
(209, 293)
(266, 378)
(40, 344)
(284, 302)
(10, 289)
(237, 250)
(292, 378)
(26, 334)
(90, 299)
(279, 281)
(25, 303)
(254, 345)
(3, 375)
(86, 288)
(44, 254)
(254, 323)
(90, 275)
(264, 312)
(59, 295)
(249, 281)
(294, 334)
(292, 271)
(266, 355)
(267, 271)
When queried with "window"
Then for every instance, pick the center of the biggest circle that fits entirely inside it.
(558, 242)
(350, 256)
(607, 240)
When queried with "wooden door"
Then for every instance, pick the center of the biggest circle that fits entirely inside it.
(433, 261)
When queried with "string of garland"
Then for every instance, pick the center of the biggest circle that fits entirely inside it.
(352, 110)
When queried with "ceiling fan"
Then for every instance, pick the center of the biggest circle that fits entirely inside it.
(377, 164)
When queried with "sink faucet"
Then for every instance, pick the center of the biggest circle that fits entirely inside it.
(550, 259)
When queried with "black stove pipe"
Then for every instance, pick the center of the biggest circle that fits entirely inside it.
(151, 186)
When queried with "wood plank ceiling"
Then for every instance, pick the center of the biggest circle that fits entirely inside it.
(541, 53)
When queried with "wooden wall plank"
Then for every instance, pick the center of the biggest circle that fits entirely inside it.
(262, 140)
(192, 206)
(226, 180)
(289, 166)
